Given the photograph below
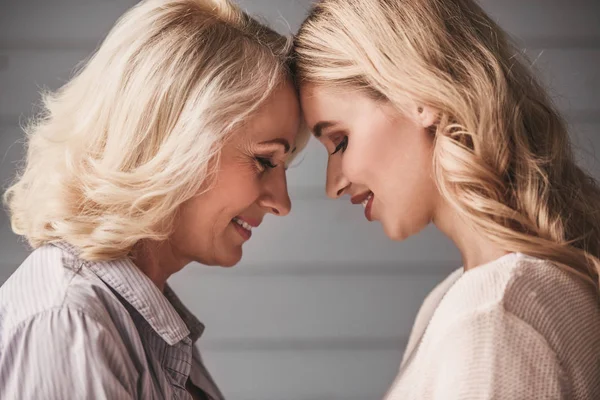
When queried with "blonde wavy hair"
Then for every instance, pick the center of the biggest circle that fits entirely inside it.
(139, 129)
(502, 155)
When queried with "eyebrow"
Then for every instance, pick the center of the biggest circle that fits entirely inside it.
(281, 141)
(318, 128)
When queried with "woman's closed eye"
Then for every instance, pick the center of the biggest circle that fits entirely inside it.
(341, 145)
(265, 162)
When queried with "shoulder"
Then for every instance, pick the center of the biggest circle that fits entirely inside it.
(517, 283)
(550, 301)
(58, 352)
(561, 308)
(520, 324)
(433, 299)
(51, 280)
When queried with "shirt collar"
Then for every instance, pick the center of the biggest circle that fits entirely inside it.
(164, 312)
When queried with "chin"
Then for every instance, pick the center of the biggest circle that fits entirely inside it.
(400, 232)
(397, 235)
(226, 259)
(231, 259)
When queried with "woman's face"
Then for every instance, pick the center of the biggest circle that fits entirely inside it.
(251, 182)
(378, 156)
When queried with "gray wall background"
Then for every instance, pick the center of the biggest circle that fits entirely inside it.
(322, 304)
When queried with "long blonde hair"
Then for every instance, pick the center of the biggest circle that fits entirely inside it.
(502, 155)
(138, 130)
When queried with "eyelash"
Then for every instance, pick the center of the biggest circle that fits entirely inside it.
(265, 162)
(342, 146)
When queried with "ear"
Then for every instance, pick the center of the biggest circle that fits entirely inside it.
(427, 116)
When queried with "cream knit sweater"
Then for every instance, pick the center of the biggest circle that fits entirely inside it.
(518, 328)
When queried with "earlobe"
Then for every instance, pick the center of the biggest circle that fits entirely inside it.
(427, 116)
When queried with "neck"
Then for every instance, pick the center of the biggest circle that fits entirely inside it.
(157, 260)
(476, 249)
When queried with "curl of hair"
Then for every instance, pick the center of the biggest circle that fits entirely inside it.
(138, 130)
(502, 155)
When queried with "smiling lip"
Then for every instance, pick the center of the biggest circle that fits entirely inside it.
(252, 222)
(366, 199)
(244, 226)
(368, 208)
(246, 234)
(359, 198)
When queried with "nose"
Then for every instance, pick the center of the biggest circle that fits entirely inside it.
(337, 184)
(275, 198)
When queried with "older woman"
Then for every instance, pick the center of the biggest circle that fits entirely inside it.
(169, 146)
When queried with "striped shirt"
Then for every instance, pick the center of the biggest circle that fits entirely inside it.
(74, 329)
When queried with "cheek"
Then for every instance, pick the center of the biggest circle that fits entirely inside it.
(195, 216)
(211, 211)
(192, 236)
(360, 162)
(412, 196)
(372, 150)
(237, 190)
(408, 209)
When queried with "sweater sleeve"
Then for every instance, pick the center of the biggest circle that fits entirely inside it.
(493, 354)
